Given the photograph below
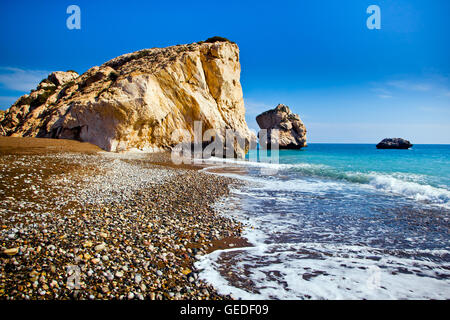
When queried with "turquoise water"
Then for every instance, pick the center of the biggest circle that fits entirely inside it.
(422, 172)
(430, 161)
(335, 221)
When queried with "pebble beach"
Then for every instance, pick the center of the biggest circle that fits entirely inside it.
(79, 223)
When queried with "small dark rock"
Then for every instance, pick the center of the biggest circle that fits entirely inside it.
(394, 143)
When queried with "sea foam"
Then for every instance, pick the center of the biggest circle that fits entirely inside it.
(324, 271)
(395, 183)
(341, 230)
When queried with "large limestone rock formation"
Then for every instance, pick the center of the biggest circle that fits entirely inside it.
(394, 143)
(292, 131)
(138, 100)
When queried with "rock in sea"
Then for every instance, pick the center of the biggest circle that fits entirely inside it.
(394, 143)
(292, 131)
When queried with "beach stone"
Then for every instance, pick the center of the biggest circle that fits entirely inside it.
(88, 244)
(100, 247)
(63, 262)
(109, 276)
(137, 278)
(11, 251)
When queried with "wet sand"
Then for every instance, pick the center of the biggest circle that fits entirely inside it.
(18, 145)
(80, 223)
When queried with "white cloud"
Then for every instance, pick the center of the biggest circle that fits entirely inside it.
(255, 107)
(21, 79)
(433, 109)
(252, 109)
(382, 93)
(6, 102)
(406, 85)
(435, 85)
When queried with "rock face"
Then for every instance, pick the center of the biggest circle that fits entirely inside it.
(292, 131)
(137, 100)
(394, 143)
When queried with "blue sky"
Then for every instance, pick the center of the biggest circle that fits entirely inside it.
(348, 83)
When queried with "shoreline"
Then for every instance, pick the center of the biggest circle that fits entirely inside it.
(124, 226)
(314, 235)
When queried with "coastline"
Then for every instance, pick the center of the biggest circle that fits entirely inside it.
(88, 224)
(78, 223)
(317, 235)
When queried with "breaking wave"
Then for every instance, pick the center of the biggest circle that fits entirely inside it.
(411, 186)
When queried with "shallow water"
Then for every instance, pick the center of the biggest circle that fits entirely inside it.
(339, 221)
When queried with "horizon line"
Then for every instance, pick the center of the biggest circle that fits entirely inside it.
(373, 143)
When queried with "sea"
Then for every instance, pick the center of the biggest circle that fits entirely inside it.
(337, 221)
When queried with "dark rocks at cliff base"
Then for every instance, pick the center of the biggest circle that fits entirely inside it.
(292, 131)
(394, 143)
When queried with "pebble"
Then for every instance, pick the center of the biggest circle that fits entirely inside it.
(122, 226)
(11, 252)
(119, 274)
(88, 244)
(100, 247)
(137, 278)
